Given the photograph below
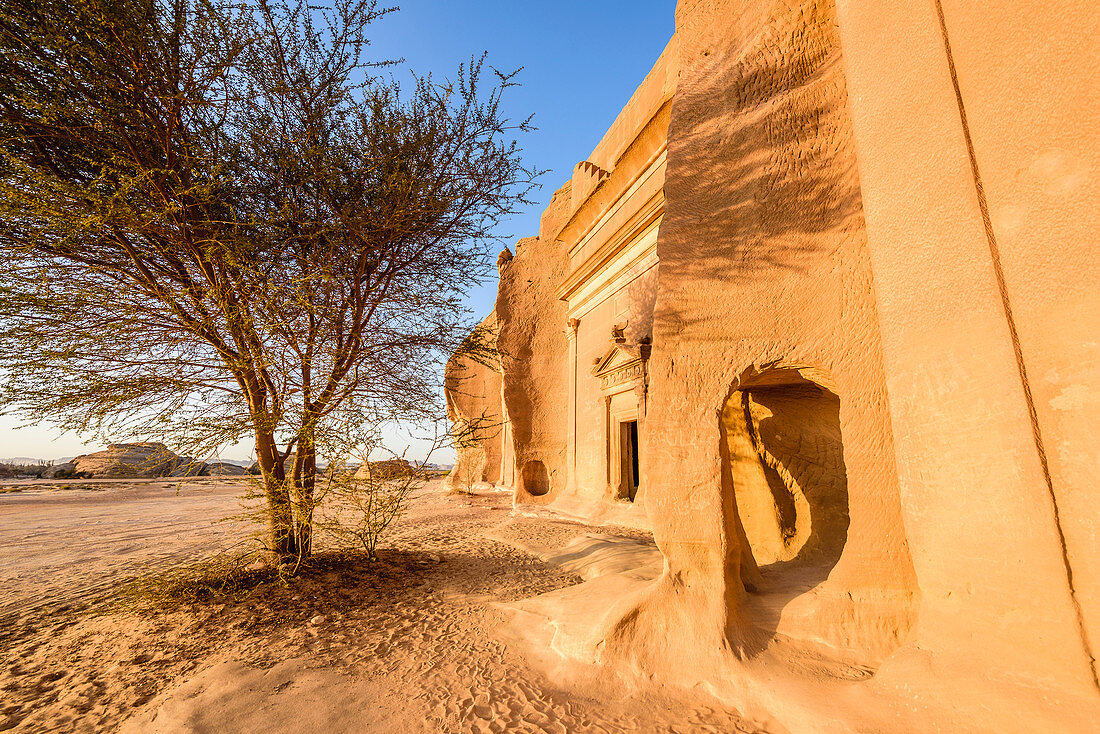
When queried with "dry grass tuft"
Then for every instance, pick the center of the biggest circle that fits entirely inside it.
(220, 579)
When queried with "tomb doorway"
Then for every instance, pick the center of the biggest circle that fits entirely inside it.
(628, 453)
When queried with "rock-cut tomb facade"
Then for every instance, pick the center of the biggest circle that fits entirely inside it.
(820, 310)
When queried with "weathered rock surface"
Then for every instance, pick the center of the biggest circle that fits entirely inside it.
(388, 469)
(862, 359)
(764, 297)
(134, 460)
(533, 352)
(64, 468)
(142, 460)
(222, 469)
(866, 424)
(475, 409)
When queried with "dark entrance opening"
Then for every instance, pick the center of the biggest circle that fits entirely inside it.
(536, 481)
(630, 467)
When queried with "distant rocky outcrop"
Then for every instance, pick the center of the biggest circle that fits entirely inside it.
(142, 460)
(135, 460)
(390, 469)
(224, 469)
(59, 471)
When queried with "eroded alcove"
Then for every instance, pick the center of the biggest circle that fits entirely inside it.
(535, 478)
(785, 461)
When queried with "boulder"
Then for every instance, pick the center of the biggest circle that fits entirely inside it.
(64, 469)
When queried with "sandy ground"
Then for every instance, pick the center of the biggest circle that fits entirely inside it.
(421, 641)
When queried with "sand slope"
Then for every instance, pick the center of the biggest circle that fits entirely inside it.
(417, 642)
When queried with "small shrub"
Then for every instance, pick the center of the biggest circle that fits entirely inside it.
(358, 511)
(71, 474)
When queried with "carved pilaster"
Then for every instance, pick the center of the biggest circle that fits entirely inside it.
(572, 325)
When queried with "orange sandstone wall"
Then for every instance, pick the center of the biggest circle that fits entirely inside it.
(534, 355)
(474, 407)
(633, 306)
(610, 229)
(764, 265)
(521, 405)
(977, 129)
(871, 432)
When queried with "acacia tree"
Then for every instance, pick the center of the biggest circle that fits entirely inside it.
(219, 220)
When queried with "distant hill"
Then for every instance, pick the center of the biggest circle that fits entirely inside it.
(213, 465)
(28, 460)
(143, 459)
(34, 461)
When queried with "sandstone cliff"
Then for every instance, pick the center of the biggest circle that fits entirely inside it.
(865, 420)
(534, 350)
(475, 409)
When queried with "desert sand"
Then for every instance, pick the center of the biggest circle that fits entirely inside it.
(443, 633)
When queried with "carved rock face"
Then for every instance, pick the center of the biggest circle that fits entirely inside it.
(836, 446)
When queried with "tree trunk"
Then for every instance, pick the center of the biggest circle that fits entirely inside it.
(305, 480)
(280, 513)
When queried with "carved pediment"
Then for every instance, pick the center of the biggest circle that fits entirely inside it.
(621, 364)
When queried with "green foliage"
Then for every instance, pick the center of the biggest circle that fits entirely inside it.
(359, 509)
(218, 221)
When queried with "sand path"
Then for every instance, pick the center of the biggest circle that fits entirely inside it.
(62, 546)
(413, 643)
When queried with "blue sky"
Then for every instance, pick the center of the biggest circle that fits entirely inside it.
(581, 60)
(581, 63)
